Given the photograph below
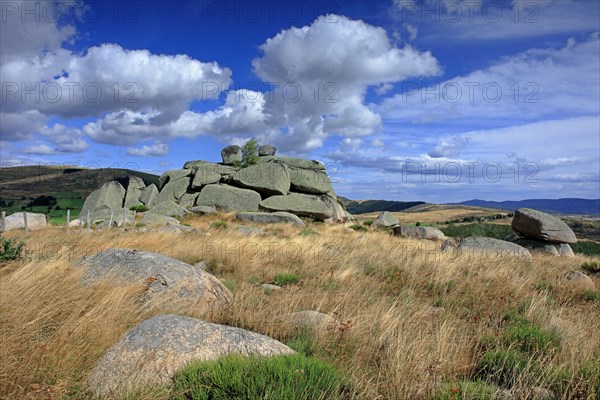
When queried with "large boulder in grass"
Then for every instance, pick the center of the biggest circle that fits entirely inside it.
(539, 225)
(385, 219)
(418, 232)
(266, 178)
(231, 155)
(134, 192)
(228, 198)
(279, 217)
(487, 247)
(304, 205)
(152, 352)
(17, 221)
(167, 281)
(109, 196)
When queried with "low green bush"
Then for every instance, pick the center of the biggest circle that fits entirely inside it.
(286, 279)
(466, 390)
(368, 222)
(586, 247)
(11, 249)
(218, 225)
(501, 367)
(529, 338)
(358, 228)
(307, 232)
(293, 377)
(592, 267)
(139, 208)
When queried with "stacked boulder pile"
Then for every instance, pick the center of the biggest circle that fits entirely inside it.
(537, 230)
(272, 185)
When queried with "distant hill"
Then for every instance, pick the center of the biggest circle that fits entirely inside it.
(557, 206)
(37, 180)
(367, 206)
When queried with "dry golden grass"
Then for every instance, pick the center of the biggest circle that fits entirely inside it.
(391, 344)
(439, 214)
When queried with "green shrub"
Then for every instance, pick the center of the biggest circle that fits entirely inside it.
(529, 338)
(358, 228)
(250, 153)
(368, 222)
(592, 267)
(230, 284)
(466, 390)
(303, 342)
(586, 247)
(139, 208)
(501, 367)
(11, 249)
(307, 232)
(286, 279)
(218, 225)
(496, 231)
(293, 377)
(590, 295)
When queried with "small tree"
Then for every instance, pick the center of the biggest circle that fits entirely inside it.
(250, 153)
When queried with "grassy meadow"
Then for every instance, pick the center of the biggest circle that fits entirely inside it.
(415, 323)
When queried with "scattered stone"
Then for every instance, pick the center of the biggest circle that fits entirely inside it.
(249, 230)
(539, 225)
(580, 279)
(75, 223)
(16, 221)
(317, 321)
(109, 196)
(490, 247)
(565, 250)
(434, 311)
(419, 232)
(279, 217)
(149, 194)
(267, 150)
(385, 219)
(228, 198)
(151, 219)
(203, 210)
(168, 281)
(269, 286)
(231, 155)
(266, 178)
(153, 351)
(304, 205)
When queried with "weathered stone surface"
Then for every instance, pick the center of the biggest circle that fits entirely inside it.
(169, 281)
(203, 209)
(580, 279)
(188, 200)
(419, 232)
(385, 219)
(231, 155)
(304, 205)
(489, 247)
(269, 286)
(317, 321)
(194, 163)
(279, 217)
(207, 173)
(102, 218)
(295, 163)
(267, 150)
(149, 194)
(153, 351)
(556, 249)
(16, 221)
(565, 250)
(75, 223)
(134, 191)
(158, 220)
(173, 175)
(228, 198)
(310, 181)
(169, 207)
(108, 196)
(267, 178)
(173, 190)
(539, 225)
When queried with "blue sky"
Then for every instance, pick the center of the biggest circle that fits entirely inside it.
(440, 101)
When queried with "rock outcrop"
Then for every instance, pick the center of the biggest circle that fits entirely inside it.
(153, 351)
(274, 184)
(487, 247)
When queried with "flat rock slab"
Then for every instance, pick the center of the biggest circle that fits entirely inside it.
(267, 178)
(167, 279)
(17, 221)
(385, 219)
(305, 205)
(152, 352)
(279, 217)
(228, 198)
(419, 232)
(489, 247)
(539, 225)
